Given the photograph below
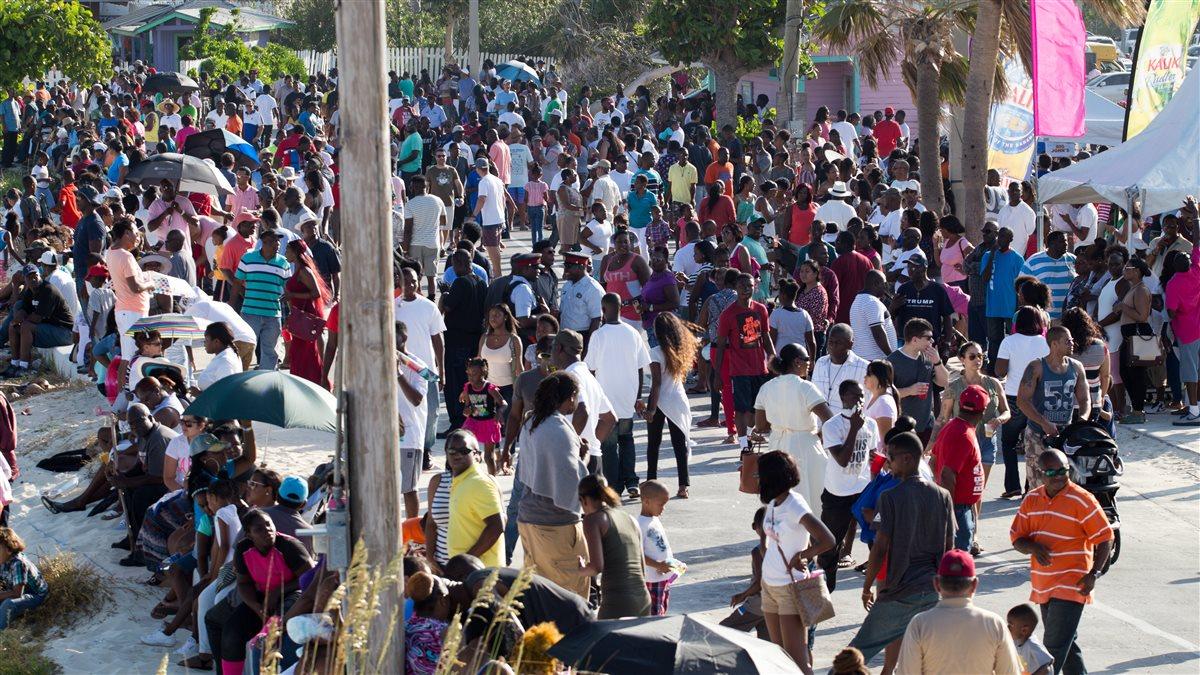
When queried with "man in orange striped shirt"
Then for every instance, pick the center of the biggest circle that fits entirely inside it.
(1067, 536)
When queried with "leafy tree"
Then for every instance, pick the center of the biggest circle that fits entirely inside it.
(40, 35)
(731, 38)
(314, 27)
(222, 52)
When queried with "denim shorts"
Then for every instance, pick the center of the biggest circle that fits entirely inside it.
(887, 621)
(987, 447)
(1189, 361)
(46, 336)
(517, 193)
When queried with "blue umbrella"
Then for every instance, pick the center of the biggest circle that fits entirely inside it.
(518, 71)
(213, 143)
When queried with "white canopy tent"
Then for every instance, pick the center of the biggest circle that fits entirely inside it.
(1105, 123)
(1158, 168)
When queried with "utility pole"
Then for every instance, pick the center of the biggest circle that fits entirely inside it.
(368, 331)
(473, 60)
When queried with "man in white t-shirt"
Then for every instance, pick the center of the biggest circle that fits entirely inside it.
(871, 321)
(617, 354)
(266, 105)
(1019, 217)
(511, 117)
(424, 219)
(848, 133)
(490, 209)
(839, 364)
(425, 328)
(605, 189)
(1083, 223)
(889, 224)
(849, 437)
(411, 408)
(837, 209)
(594, 418)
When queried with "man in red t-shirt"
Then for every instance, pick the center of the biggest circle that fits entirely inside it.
(851, 268)
(957, 465)
(887, 133)
(744, 338)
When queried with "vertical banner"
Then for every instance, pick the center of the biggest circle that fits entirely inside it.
(1059, 41)
(1158, 61)
(1010, 125)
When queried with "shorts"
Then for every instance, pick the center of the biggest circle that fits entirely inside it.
(427, 256)
(745, 391)
(125, 319)
(987, 447)
(47, 337)
(1189, 361)
(517, 193)
(1114, 366)
(779, 600)
(491, 235)
(887, 620)
(410, 469)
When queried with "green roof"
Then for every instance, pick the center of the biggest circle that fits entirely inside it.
(141, 20)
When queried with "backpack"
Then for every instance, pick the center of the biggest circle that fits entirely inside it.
(499, 292)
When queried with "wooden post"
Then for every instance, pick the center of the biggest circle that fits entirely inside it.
(368, 332)
(473, 60)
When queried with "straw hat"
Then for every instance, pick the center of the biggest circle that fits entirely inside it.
(168, 107)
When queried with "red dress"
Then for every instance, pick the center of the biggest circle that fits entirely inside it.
(305, 356)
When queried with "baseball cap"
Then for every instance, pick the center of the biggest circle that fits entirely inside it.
(889, 110)
(956, 563)
(273, 232)
(88, 194)
(97, 271)
(575, 259)
(293, 490)
(30, 270)
(482, 163)
(569, 340)
(457, 128)
(602, 164)
(114, 193)
(48, 258)
(206, 443)
(910, 185)
(973, 399)
(917, 258)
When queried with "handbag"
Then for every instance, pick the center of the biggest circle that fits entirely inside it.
(1144, 350)
(305, 325)
(810, 593)
(748, 470)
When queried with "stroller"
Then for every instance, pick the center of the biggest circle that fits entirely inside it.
(1095, 466)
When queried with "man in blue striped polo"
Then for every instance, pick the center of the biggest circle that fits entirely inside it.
(260, 277)
(1055, 268)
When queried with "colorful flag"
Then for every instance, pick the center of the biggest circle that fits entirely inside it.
(1159, 61)
(1059, 41)
(1010, 125)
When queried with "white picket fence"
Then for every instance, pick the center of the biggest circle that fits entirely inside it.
(401, 59)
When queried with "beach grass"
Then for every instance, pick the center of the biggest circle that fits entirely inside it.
(21, 653)
(77, 591)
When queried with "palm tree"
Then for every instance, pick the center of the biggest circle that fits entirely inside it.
(917, 35)
(1003, 26)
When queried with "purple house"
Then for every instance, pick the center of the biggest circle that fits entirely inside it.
(155, 33)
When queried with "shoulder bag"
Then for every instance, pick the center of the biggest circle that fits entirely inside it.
(305, 325)
(810, 593)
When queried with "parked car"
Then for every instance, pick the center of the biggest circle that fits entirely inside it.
(1112, 86)
(1129, 38)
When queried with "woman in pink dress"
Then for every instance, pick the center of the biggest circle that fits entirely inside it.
(306, 292)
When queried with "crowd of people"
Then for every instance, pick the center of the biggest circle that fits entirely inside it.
(876, 359)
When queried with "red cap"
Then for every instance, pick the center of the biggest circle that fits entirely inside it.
(97, 271)
(889, 110)
(957, 563)
(973, 399)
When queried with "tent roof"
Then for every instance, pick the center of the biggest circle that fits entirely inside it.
(141, 20)
(1160, 166)
(1105, 122)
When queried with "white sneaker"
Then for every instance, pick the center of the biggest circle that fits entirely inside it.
(1188, 420)
(189, 648)
(158, 639)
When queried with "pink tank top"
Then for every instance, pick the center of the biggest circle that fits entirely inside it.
(624, 282)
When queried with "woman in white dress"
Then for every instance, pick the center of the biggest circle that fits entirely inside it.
(792, 410)
(670, 362)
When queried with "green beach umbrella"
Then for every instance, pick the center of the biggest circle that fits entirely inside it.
(268, 396)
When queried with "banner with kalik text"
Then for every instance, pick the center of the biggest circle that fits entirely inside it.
(1159, 61)
(1010, 125)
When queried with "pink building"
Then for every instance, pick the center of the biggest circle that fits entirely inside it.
(838, 85)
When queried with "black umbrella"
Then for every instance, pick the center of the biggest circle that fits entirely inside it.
(213, 143)
(169, 83)
(188, 173)
(669, 644)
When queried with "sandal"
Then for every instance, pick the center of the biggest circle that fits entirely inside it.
(710, 423)
(682, 493)
(162, 610)
(845, 562)
(197, 663)
(1010, 494)
(50, 505)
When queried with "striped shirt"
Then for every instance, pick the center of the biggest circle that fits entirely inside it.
(264, 283)
(1057, 274)
(1069, 524)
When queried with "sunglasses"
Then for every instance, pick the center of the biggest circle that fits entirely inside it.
(1054, 473)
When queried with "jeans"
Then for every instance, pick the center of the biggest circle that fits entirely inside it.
(887, 620)
(45, 194)
(964, 534)
(14, 607)
(1060, 621)
(510, 526)
(1010, 435)
(619, 457)
(455, 375)
(537, 215)
(1174, 382)
(976, 324)
(836, 515)
(266, 331)
(10, 149)
(679, 443)
(431, 414)
(997, 329)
